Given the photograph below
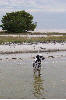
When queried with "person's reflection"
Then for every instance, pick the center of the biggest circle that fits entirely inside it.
(38, 89)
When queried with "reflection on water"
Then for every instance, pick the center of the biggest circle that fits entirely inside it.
(38, 89)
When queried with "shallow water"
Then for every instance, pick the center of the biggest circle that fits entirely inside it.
(17, 80)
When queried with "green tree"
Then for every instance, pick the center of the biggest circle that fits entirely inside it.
(19, 21)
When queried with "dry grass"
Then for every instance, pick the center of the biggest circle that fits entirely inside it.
(4, 39)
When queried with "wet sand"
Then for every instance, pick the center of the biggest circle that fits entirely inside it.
(17, 80)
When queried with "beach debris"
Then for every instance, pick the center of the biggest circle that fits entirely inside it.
(20, 58)
(42, 48)
(14, 58)
(61, 55)
(0, 58)
(51, 57)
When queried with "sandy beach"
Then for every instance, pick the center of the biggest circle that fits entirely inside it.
(32, 47)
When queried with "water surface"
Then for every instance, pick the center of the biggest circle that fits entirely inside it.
(17, 80)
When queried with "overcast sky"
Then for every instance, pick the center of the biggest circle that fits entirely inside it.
(49, 14)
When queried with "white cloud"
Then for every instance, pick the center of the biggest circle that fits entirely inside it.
(47, 10)
(33, 5)
(2, 2)
(8, 9)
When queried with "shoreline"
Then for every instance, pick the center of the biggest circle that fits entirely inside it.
(32, 48)
(18, 52)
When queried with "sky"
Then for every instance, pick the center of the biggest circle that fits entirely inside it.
(50, 15)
